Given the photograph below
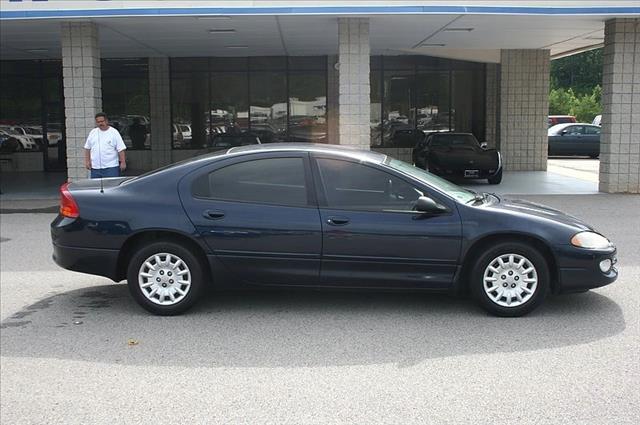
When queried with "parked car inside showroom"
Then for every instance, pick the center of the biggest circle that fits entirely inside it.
(458, 155)
(574, 139)
(320, 216)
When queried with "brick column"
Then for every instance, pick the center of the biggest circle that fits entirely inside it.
(160, 111)
(491, 104)
(354, 90)
(82, 89)
(620, 139)
(524, 107)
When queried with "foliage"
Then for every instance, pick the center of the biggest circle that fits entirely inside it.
(575, 86)
(583, 106)
(581, 72)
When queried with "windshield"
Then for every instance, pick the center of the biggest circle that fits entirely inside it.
(453, 140)
(459, 193)
(35, 131)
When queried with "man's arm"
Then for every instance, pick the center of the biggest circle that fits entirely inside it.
(123, 160)
(87, 159)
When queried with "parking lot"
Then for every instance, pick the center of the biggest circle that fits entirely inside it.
(76, 349)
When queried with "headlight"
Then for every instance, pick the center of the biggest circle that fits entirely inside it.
(590, 240)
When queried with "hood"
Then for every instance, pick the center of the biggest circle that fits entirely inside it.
(542, 211)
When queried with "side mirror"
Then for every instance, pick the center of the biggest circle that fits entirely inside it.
(484, 145)
(425, 204)
(563, 132)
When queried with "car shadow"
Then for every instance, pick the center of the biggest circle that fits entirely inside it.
(286, 328)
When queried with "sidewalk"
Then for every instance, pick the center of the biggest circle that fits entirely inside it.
(38, 191)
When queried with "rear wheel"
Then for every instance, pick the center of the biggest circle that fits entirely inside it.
(165, 278)
(510, 279)
(496, 179)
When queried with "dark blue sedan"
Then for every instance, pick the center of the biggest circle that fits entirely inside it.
(320, 216)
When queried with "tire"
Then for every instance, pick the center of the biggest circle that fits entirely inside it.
(177, 274)
(496, 179)
(532, 287)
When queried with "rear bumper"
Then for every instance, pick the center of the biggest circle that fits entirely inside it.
(580, 271)
(101, 262)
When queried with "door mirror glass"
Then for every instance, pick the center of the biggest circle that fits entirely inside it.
(484, 145)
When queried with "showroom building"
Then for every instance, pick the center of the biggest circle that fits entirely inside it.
(179, 78)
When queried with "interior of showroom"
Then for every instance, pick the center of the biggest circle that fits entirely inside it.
(177, 82)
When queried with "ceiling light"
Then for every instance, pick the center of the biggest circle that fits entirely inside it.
(237, 47)
(37, 50)
(594, 37)
(222, 31)
(213, 18)
(459, 29)
(432, 45)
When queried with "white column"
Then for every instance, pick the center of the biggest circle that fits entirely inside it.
(354, 89)
(81, 74)
(620, 139)
(524, 107)
(160, 111)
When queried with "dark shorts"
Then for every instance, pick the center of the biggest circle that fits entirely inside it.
(96, 173)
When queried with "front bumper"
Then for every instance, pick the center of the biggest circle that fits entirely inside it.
(578, 269)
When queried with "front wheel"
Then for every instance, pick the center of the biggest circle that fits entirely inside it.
(165, 278)
(510, 279)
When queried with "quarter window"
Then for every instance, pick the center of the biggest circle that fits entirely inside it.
(279, 181)
(354, 186)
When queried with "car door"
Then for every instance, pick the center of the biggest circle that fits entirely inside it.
(573, 140)
(592, 140)
(371, 238)
(259, 216)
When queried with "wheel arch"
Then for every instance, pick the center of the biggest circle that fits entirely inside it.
(148, 236)
(478, 246)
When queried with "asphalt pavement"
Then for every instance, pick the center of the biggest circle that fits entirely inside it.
(75, 349)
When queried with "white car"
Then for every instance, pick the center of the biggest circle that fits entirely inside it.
(27, 143)
(186, 132)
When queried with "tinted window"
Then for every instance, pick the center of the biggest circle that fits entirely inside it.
(354, 186)
(575, 129)
(592, 130)
(278, 181)
(453, 140)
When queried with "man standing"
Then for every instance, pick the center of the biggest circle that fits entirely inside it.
(104, 150)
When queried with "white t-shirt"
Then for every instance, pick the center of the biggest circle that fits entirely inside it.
(104, 146)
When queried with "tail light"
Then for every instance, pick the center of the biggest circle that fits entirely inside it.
(68, 206)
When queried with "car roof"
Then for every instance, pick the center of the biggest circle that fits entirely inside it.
(339, 150)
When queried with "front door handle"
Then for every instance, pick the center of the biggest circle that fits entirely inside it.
(337, 221)
(213, 214)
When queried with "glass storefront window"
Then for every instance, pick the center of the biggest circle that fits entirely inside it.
(375, 122)
(21, 107)
(432, 101)
(268, 105)
(308, 107)
(190, 110)
(397, 115)
(229, 110)
(125, 100)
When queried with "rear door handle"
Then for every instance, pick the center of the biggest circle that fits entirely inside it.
(213, 214)
(337, 221)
